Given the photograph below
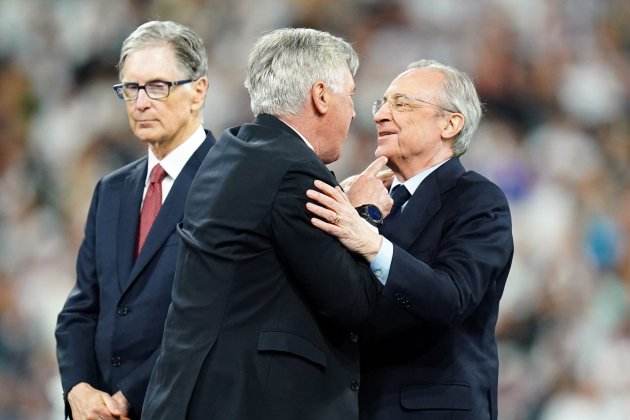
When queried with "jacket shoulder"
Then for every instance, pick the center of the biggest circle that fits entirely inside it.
(473, 183)
(120, 174)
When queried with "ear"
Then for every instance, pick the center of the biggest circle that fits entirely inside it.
(454, 124)
(200, 88)
(320, 97)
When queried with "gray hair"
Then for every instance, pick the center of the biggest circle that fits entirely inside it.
(285, 63)
(187, 45)
(458, 94)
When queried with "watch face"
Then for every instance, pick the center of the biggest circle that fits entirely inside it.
(374, 212)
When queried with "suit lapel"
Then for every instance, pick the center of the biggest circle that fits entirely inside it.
(170, 214)
(131, 197)
(420, 208)
(423, 205)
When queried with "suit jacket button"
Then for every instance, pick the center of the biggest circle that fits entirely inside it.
(354, 385)
(354, 337)
(116, 361)
(122, 310)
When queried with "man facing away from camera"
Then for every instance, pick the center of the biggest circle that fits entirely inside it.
(265, 306)
(110, 327)
(443, 255)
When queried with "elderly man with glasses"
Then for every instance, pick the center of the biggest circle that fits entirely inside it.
(110, 327)
(443, 255)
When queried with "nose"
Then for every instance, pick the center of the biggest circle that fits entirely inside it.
(142, 101)
(383, 113)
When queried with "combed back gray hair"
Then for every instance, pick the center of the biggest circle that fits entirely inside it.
(284, 64)
(458, 94)
(189, 48)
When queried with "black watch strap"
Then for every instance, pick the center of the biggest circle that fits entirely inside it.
(371, 214)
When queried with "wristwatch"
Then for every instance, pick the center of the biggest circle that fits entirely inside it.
(371, 213)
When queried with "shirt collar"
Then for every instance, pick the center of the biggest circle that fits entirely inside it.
(174, 162)
(299, 134)
(414, 182)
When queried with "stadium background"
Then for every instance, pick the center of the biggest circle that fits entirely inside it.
(553, 75)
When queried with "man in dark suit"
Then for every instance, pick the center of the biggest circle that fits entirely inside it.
(429, 350)
(110, 328)
(265, 307)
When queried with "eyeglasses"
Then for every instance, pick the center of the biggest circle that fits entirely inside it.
(403, 103)
(157, 89)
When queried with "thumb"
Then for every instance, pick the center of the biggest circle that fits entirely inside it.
(112, 405)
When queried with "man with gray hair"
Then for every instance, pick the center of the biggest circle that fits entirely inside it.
(110, 327)
(443, 255)
(265, 306)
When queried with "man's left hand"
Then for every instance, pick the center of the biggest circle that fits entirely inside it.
(123, 404)
(338, 217)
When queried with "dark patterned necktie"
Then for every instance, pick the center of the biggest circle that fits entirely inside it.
(400, 194)
(151, 205)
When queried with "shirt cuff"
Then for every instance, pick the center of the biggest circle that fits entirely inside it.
(381, 264)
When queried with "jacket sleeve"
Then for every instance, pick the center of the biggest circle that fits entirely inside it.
(338, 284)
(475, 250)
(76, 324)
(134, 385)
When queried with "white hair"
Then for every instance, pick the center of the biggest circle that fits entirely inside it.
(189, 49)
(285, 63)
(458, 94)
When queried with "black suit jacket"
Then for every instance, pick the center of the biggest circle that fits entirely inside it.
(110, 327)
(429, 351)
(264, 304)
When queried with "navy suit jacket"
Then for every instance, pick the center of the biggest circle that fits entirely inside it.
(429, 351)
(110, 327)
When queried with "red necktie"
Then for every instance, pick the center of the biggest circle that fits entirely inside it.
(151, 205)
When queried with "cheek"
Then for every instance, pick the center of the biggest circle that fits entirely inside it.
(344, 119)
(411, 137)
(172, 117)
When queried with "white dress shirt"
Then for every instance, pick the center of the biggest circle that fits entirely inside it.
(174, 162)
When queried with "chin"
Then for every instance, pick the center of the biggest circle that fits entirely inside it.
(145, 136)
(330, 157)
(380, 152)
(328, 160)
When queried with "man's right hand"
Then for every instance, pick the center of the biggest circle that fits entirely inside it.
(369, 188)
(385, 175)
(88, 403)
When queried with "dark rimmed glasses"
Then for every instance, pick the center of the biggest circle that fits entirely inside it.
(156, 89)
(404, 103)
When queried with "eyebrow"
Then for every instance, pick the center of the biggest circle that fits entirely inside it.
(148, 81)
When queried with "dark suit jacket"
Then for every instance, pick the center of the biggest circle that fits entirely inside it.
(110, 328)
(429, 351)
(264, 304)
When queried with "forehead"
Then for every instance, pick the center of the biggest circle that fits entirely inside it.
(414, 82)
(151, 63)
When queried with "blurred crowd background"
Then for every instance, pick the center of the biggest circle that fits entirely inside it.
(555, 80)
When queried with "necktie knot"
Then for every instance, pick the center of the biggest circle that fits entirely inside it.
(157, 174)
(400, 195)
